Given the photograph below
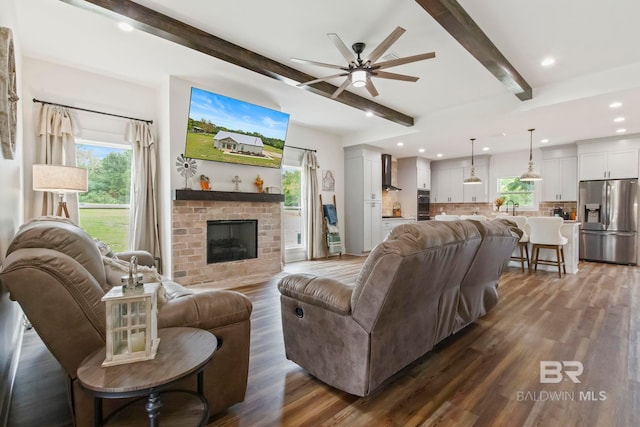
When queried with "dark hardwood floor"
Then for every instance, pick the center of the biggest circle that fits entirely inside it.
(486, 375)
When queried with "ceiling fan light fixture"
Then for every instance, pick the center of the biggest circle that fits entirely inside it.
(473, 179)
(359, 78)
(530, 174)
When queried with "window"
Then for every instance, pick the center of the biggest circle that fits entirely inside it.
(293, 218)
(516, 191)
(104, 209)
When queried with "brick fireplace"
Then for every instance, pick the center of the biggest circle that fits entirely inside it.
(193, 209)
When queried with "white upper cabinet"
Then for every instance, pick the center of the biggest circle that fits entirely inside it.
(609, 165)
(560, 179)
(448, 185)
(414, 173)
(372, 177)
(476, 193)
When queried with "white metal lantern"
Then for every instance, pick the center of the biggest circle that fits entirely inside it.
(132, 324)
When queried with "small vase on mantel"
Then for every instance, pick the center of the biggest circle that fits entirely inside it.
(259, 182)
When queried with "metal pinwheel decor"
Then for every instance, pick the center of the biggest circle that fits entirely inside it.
(187, 168)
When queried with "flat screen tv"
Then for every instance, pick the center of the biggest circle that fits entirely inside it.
(223, 129)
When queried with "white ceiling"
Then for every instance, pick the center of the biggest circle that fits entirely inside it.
(595, 45)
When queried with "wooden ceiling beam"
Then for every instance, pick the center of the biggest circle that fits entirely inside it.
(153, 22)
(453, 18)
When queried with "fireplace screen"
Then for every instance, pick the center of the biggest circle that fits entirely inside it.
(232, 240)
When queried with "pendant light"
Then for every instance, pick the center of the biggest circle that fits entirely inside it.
(530, 175)
(473, 179)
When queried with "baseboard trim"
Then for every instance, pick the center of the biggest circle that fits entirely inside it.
(6, 387)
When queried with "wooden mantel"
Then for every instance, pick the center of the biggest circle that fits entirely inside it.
(227, 196)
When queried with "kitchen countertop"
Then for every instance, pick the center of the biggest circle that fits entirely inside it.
(392, 218)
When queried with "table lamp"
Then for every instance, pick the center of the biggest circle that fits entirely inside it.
(61, 180)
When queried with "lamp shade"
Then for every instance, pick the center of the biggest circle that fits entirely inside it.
(359, 78)
(59, 179)
(530, 174)
(473, 179)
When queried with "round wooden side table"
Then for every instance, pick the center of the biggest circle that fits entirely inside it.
(182, 351)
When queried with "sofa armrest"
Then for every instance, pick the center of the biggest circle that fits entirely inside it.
(204, 310)
(144, 257)
(320, 291)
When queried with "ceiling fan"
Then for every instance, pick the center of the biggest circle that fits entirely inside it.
(360, 71)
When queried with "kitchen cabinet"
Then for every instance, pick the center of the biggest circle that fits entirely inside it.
(389, 223)
(560, 179)
(363, 199)
(372, 225)
(476, 193)
(372, 178)
(423, 178)
(448, 185)
(414, 173)
(609, 165)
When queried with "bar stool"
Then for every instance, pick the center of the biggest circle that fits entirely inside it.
(523, 243)
(544, 233)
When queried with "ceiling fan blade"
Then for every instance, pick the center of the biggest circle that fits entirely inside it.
(342, 87)
(322, 79)
(394, 76)
(319, 64)
(371, 88)
(344, 50)
(405, 60)
(385, 45)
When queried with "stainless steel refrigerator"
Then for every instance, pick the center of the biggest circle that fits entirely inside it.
(608, 213)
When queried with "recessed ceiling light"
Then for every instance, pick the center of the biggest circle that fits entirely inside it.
(616, 104)
(485, 148)
(622, 130)
(548, 62)
(400, 144)
(125, 27)
(439, 155)
(544, 141)
(421, 150)
(618, 119)
(369, 114)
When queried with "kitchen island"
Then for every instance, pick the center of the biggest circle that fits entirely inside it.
(571, 253)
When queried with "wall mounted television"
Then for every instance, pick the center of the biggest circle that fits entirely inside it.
(223, 129)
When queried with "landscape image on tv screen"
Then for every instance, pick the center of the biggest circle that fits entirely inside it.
(227, 130)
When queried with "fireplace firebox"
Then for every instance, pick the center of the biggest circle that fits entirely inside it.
(232, 240)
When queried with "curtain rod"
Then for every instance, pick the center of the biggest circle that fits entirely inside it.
(91, 111)
(300, 148)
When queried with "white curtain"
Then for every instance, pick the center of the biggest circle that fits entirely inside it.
(313, 216)
(55, 146)
(143, 216)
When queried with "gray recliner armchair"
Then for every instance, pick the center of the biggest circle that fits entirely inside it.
(55, 271)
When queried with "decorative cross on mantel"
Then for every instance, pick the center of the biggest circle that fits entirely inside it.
(236, 181)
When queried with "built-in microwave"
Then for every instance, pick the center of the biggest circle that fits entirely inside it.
(423, 205)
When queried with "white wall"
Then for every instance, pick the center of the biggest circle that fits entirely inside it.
(11, 213)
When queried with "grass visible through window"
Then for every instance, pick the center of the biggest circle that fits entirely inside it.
(109, 225)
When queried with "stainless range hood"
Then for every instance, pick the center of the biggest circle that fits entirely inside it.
(386, 174)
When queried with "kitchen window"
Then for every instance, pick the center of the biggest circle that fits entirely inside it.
(517, 192)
